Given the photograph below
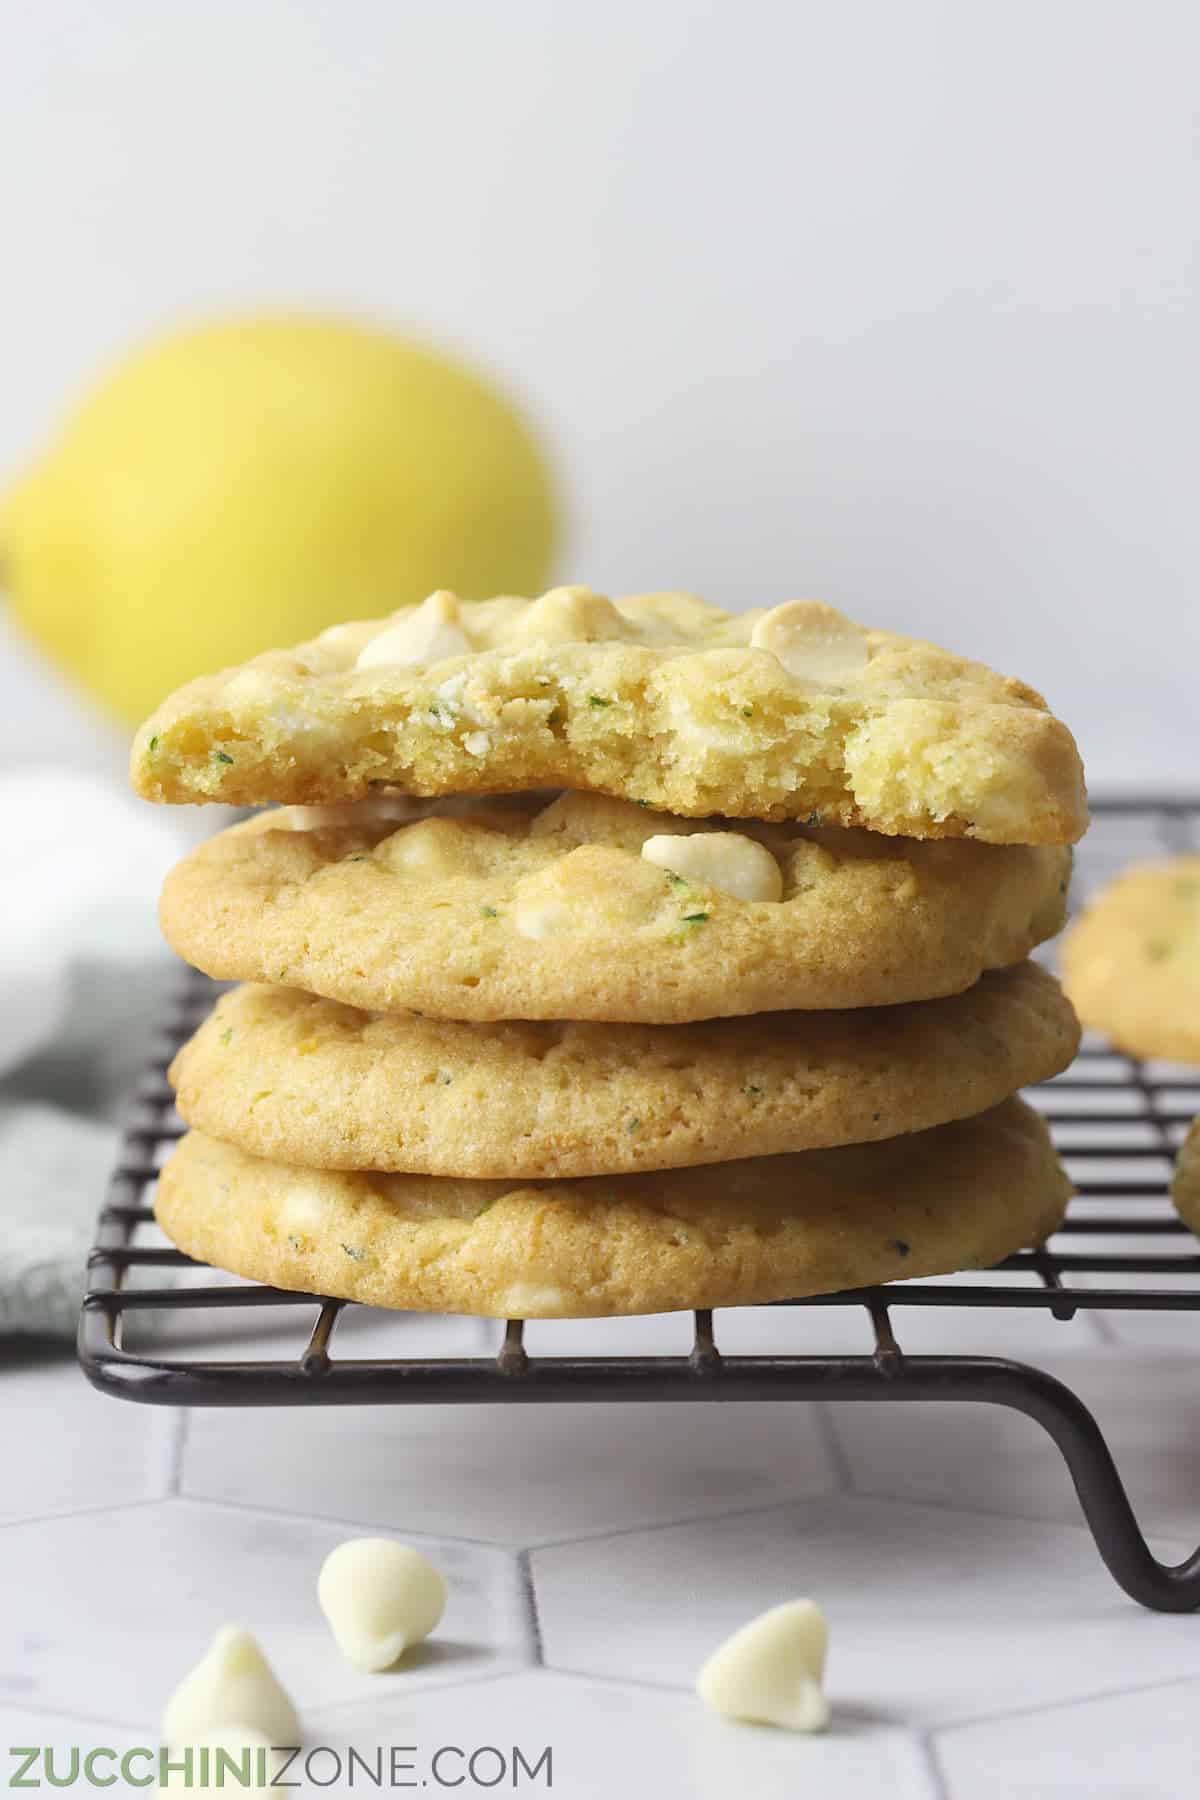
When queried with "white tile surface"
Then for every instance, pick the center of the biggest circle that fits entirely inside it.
(509, 1474)
(999, 1461)
(664, 1528)
(1134, 1746)
(609, 1739)
(935, 1614)
(59, 1434)
(104, 1612)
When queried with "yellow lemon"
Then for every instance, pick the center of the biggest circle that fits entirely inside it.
(245, 483)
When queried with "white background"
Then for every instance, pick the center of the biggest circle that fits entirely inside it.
(896, 303)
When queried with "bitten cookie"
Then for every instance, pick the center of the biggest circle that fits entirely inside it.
(306, 1081)
(1131, 964)
(597, 909)
(962, 1195)
(660, 698)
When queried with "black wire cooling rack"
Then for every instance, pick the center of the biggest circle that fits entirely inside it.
(1122, 1247)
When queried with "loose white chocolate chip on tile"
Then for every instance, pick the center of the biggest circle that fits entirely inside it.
(379, 1597)
(726, 860)
(232, 1684)
(428, 634)
(814, 642)
(770, 1671)
(234, 1759)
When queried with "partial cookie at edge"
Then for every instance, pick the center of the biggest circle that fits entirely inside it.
(1131, 962)
(1185, 1182)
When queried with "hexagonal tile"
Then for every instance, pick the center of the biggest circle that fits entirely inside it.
(606, 1738)
(1000, 1461)
(510, 1474)
(104, 1612)
(934, 1614)
(1139, 1746)
(60, 1432)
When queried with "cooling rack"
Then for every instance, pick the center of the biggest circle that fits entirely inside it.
(1116, 1121)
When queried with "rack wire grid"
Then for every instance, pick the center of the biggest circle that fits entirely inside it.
(1117, 1123)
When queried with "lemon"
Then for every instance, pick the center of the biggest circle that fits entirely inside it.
(245, 483)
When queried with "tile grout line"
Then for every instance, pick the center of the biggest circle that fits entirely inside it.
(80, 1512)
(1103, 1328)
(532, 1615)
(287, 1515)
(973, 1510)
(336, 1710)
(927, 1747)
(835, 1449)
(801, 1497)
(172, 1441)
(1093, 1698)
(501, 1546)
(624, 1681)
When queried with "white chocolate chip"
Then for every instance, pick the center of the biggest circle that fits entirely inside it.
(477, 743)
(528, 1300)
(452, 703)
(428, 634)
(232, 1684)
(336, 634)
(541, 917)
(352, 812)
(770, 1672)
(814, 642)
(249, 686)
(247, 1752)
(379, 1597)
(726, 860)
(312, 818)
(303, 1210)
(569, 615)
(429, 847)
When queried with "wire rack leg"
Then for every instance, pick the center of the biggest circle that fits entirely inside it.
(1127, 1556)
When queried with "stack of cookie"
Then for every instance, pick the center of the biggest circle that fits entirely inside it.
(734, 1012)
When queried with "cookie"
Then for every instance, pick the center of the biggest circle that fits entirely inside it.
(660, 698)
(1185, 1184)
(306, 1081)
(1131, 964)
(773, 1228)
(557, 912)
